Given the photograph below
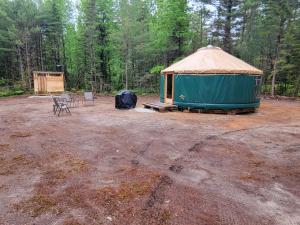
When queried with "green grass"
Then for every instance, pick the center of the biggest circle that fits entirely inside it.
(10, 92)
(139, 91)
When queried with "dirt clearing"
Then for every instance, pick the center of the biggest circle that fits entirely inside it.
(106, 166)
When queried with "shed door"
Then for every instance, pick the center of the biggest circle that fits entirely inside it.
(42, 84)
(169, 83)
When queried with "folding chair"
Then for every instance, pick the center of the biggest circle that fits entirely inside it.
(88, 97)
(70, 100)
(60, 106)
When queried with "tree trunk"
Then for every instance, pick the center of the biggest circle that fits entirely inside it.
(297, 88)
(244, 22)
(57, 53)
(126, 72)
(274, 72)
(278, 43)
(41, 52)
(28, 62)
(227, 29)
(201, 25)
(65, 69)
(126, 57)
(21, 67)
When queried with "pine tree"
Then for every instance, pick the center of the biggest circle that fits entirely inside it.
(199, 26)
(227, 22)
(170, 29)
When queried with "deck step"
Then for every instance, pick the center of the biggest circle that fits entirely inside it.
(160, 107)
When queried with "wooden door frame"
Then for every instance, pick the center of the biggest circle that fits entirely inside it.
(169, 100)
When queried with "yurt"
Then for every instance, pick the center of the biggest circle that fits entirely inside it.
(211, 79)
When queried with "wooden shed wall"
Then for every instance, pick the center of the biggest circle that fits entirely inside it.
(48, 82)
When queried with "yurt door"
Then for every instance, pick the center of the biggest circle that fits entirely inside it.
(169, 81)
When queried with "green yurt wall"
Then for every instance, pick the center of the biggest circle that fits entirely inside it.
(216, 91)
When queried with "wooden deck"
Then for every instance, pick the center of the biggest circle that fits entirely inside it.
(220, 111)
(160, 107)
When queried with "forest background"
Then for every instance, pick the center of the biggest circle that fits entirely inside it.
(116, 44)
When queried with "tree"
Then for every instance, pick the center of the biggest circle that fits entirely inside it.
(199, 26)
(169, 29)
(226, 22)
(7, 43)
(279, 10)
(94, 25)
(289, 63)
(114, 44)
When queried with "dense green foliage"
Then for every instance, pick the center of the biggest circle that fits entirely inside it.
(114, 44)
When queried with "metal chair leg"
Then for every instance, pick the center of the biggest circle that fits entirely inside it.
(59, 111)
(68, 110)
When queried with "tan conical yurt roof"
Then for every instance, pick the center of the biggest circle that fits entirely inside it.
(212, 60)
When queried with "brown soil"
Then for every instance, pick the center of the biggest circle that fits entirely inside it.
(106, 166)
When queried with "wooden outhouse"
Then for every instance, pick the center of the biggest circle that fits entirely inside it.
(48, 82)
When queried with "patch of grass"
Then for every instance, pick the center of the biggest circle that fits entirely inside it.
(11, 166)
(118, 201)
(58, 174)
(164, 217)
(79, 196)
(53, 177)
(38, 205)
(125, 192)
(3, 187)
(257, 162)
(77, 165)
(4, 147)
(140, 91)
(250, 178)
(10, 92)
(129, 191)
(20, 134)
(57, 170)
(75, 194)
(71, 222)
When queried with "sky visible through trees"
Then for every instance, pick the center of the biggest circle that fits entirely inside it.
(115, 44)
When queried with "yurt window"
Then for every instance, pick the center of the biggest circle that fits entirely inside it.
(258, 80)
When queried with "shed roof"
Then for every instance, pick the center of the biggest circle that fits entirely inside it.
(212, 60)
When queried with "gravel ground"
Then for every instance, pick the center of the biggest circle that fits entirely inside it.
(106, 166)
